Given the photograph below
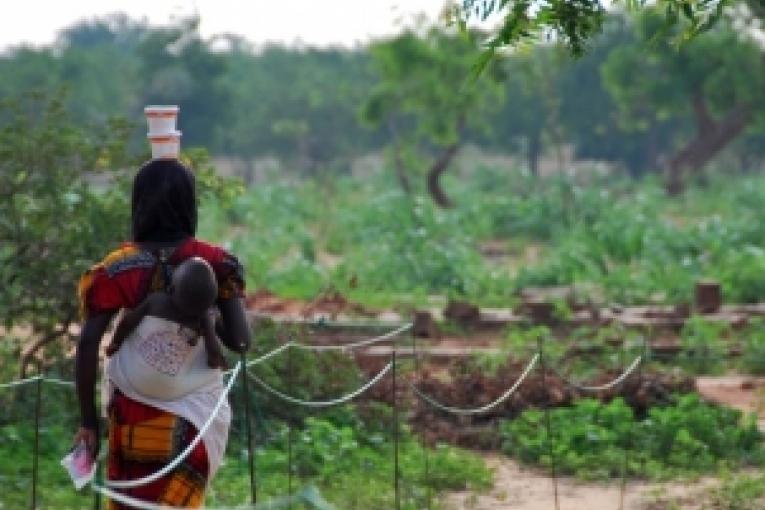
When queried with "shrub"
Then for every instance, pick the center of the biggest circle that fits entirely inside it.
(589, 439)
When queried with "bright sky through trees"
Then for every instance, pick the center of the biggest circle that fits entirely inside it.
(329, 22)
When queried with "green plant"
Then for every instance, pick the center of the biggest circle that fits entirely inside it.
(737, 492)
(590, 439)
(753, 348)
(703, 350)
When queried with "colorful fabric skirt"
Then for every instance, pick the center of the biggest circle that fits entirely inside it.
(143, 440)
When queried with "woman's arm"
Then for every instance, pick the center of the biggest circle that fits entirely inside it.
(86, 372)
(233, 329)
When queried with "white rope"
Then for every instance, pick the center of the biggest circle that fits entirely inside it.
(355, 345)
(60, 382)
(20, 382)
(323, 403)
(342, 347)
(608, 385)
(269, 355)
(487, 407)
(145, 505)
(129, 484)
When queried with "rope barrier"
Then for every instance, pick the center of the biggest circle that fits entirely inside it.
(129, 484)
(606, 386)
(354, 345)
(20, 382)
(145, 505)
(305, 495)
(322, 403)
(242, 369)
(487, 407)
(60, 382)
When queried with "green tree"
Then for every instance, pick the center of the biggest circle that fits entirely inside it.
(427, 102)
(179, 67)
(590, 117)
(53, 223)
(297, 105)
(63, 203)
(575, 22)
(520, 124)
(714, 81)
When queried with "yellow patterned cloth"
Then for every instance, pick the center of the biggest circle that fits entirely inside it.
(142, 440)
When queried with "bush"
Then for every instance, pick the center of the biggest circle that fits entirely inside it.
(589, 439)
(753, 351)
(703, 349)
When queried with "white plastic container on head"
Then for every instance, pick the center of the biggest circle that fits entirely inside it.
(161, 119)
(165, 146)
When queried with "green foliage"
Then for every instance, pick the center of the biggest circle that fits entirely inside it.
(53, 223)
(589, 439)
(575, 23)
(64, 204)
(737, 492)
(383, 241)
(426, 101)
(622, 241)
(753, 348)
(414, 88)
(345, 463)
(703, 345)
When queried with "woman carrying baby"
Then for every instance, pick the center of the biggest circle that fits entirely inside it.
(161, 384)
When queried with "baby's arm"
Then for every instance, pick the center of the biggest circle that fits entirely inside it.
(215, 358)
(130, 320)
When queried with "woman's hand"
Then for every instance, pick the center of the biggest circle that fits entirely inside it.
(90, 438)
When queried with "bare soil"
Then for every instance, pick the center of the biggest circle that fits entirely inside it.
(747, 394)
(520, 488)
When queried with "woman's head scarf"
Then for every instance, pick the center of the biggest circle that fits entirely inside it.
(164, 206)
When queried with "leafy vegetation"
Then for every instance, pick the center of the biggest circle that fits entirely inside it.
(703, 346)
(590, 439)
(624, 241)
(753, 350)
(376, 237)
(417, 91)
(575, 24)
(55, 218)
(350, 466)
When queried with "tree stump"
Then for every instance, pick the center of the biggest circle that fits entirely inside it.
(424, 326)
(540, 311)
(708, 296)
(463, 313)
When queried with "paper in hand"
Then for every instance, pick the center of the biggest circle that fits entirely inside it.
(80, 465)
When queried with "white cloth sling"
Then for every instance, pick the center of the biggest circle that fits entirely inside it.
(164, 365)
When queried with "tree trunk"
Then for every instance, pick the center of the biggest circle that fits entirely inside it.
(30, 351)
(434, 176)
(398, 161)
(440, 165)
(712, 136)
(533, 150)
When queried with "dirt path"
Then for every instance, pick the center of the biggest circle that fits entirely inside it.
(520, 488)
(745, 393)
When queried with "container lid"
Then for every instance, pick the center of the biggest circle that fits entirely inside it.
(161, 109)
(158, 137)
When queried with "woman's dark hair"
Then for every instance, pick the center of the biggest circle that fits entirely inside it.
(164, 205)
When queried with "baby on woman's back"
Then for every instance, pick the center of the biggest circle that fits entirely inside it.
(188, 302)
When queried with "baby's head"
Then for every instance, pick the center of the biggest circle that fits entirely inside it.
(194, 288)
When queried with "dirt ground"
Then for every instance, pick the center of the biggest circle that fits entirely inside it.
(747, 394)
(520, 488)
